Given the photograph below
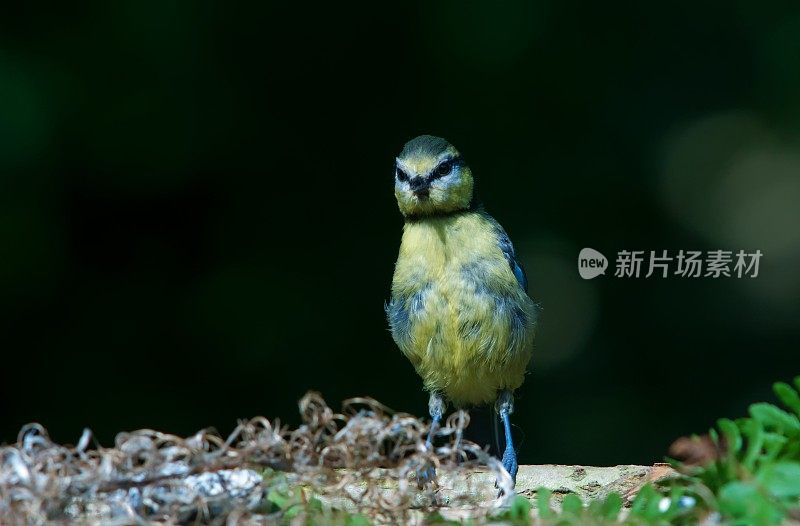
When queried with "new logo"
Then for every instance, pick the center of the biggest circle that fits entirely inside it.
(591, 263)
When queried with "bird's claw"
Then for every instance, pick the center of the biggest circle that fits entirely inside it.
(510, 465)
(426, 475)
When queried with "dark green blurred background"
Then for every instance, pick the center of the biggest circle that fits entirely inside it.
(197, 221)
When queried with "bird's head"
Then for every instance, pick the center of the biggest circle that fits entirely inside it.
(430, 178)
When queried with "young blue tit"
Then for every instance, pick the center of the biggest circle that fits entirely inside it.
(459, 309)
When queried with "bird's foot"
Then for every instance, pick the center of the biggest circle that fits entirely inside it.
(426, 476)
(510, 465)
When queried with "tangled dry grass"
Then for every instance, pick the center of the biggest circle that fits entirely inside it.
(152, 477)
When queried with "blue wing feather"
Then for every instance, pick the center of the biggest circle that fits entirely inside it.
(519, 272)
(508, 251)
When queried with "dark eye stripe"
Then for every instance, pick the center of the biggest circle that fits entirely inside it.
(401, 175)
(444, 168)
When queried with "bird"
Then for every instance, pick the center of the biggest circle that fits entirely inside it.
(459, 307)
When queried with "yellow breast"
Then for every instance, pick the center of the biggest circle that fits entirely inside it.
(457, 311)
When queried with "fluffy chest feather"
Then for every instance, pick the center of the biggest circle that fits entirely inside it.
(457, 310)
(448, 250)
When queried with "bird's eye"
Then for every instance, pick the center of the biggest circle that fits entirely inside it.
(444, 169)
(401, 175)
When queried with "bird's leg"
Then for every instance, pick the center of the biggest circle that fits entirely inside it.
(505, 406)
(436, 407)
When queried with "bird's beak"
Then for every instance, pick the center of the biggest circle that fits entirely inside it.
(420, 187)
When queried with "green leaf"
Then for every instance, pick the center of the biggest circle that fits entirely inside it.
(519, 512)
(642, 499)
(781, 480)
(735, 496)
(572, 504)
(357, 520)
(520, 508)
(595, 508)
(293, 511)
(712, 434)
(437, 518)
(773, 445)
(612, 506)
(653, 510)
(772, 416)
(754, 432)
(278, 498)
(743, 501)
(315, 504)
(731, 433)
(725, 468)
(788, 396)
(791, 450)
(543, 496)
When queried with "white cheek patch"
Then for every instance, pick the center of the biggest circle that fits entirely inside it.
(448, 181)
